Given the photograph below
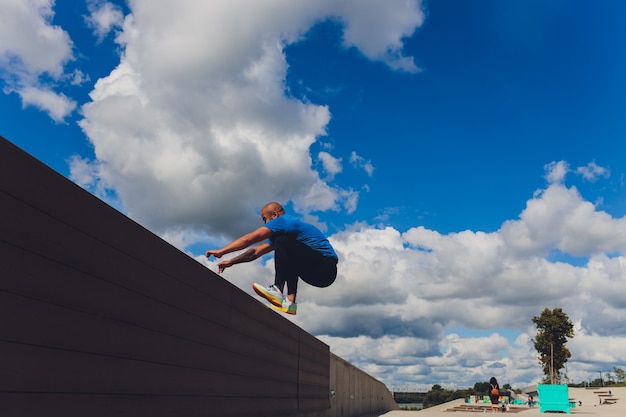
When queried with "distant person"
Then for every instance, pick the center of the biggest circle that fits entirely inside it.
(494, 394)
(300, 251)
(530, 401)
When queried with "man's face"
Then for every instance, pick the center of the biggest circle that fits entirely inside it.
(268, 215)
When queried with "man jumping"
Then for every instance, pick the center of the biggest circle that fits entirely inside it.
(300, 251)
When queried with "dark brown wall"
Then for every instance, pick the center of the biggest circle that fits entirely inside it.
(355, 393)
(99, 317)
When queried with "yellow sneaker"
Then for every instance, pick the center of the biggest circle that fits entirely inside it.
(271, 293)
(287, 307)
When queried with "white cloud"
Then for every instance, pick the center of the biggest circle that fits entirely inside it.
(561, 219)
(399, 296)
(453, 361)
(332, 166)
(592, 348)
(196, 115)
(57, 105)
(33, 49)
(83, 171)
(103, 18)
(377, 29)
(592, 171)
(193, 132)
(556, 171)
(360, 162)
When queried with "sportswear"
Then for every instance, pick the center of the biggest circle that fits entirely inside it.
(301, 231)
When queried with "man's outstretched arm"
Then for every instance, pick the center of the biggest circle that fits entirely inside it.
(249, 255)
(241, 242)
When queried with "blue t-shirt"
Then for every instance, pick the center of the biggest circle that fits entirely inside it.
(302, 232)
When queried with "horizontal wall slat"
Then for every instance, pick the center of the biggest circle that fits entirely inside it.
(94, 405)
(42, 369)
(51, 282)
(143, 316)
(76, 250)
(43, 324)
(35, 184)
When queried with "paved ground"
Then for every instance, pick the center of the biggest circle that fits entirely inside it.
(590, 406)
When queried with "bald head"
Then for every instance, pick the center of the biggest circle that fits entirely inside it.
(271, 211)
(273, 206)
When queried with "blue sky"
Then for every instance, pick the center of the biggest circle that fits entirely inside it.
(466, 159)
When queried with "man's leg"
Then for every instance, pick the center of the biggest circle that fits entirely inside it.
(320, 271)
(285, 263)
(294, 259)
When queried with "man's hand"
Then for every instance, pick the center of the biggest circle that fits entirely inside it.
(223, 265)
(213, 252)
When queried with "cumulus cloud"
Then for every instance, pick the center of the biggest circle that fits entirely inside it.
(556, 171)
(399, 295)
(104, 17)
(332, 166)
(561, 219)
(195, 116)
(57, 105)
(377, 29)
(193, 128)
(33, 55)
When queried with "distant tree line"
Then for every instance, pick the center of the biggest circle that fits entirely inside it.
(438, 395)
(409, 397)
(610, 378)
